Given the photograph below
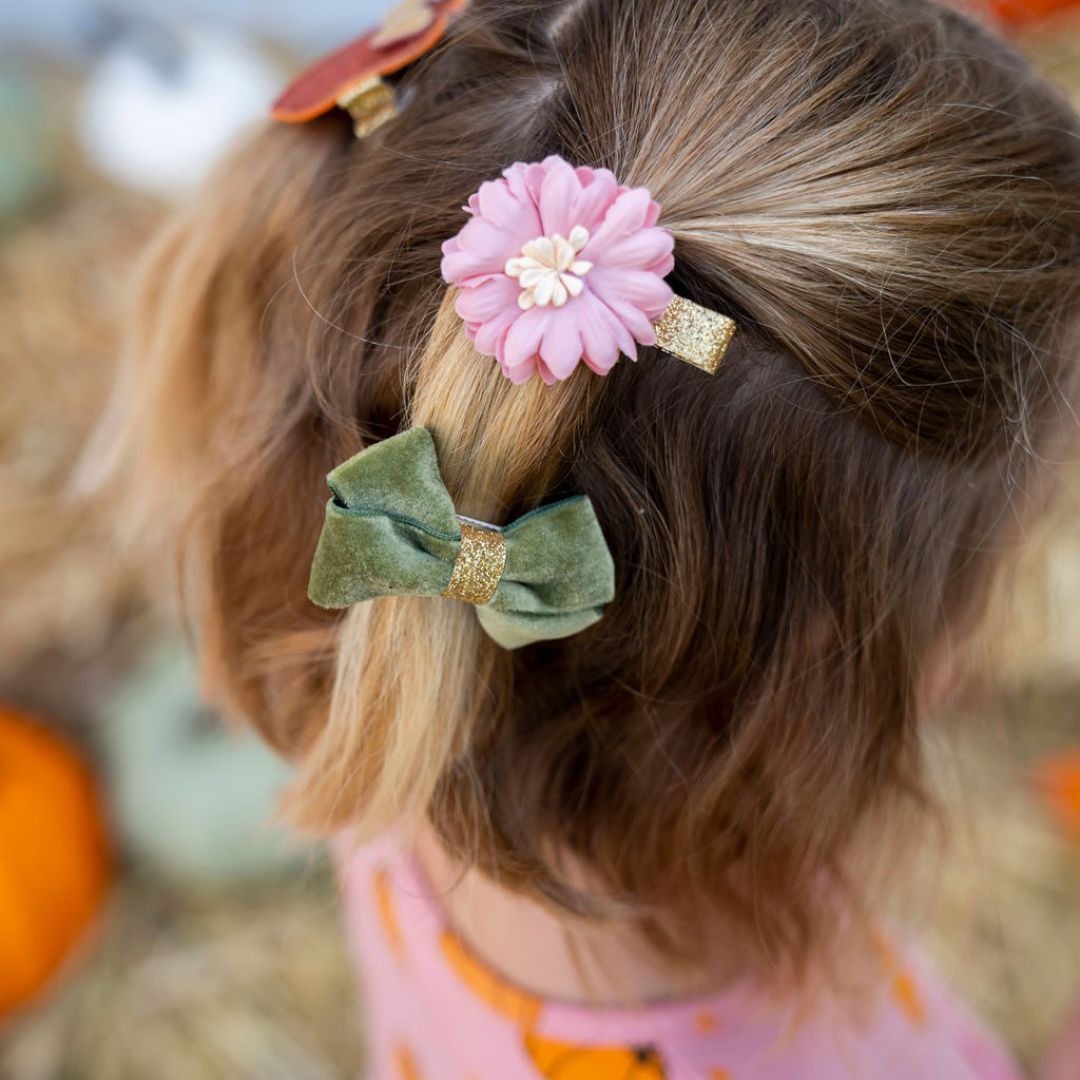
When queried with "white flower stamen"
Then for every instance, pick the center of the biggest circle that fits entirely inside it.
(549, 270)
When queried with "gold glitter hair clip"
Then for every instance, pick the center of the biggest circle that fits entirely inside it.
(694, 334)
(561, 265)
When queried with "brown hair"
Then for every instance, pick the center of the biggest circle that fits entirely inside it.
(886, 199)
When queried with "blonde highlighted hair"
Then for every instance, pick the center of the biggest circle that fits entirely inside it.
(885, 198)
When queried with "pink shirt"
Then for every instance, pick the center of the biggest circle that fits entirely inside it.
(436, 1012)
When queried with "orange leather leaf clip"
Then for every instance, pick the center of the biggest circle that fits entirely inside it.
(411, 30)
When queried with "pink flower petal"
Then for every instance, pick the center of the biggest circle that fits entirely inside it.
(635, 321)
(639, 250)
(586, 175)
(524, 337)
(626, 215)
(645, 292)
(663, 267)
(487, 301)
(561, 347)
(490, 337)
(599, 338)
(559, 193)
(467, 268)
(499, 204)
(523, 373)
(494, 240)
(495, 201)
(514, 178)
(595, 198)
(547, 377)
(534, 178)
(621, 316)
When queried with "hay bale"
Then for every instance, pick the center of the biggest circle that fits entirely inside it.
(215, 987)
(63, 275)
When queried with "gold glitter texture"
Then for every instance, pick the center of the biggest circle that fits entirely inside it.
(479, 566)
(370, 104)
(695, 334)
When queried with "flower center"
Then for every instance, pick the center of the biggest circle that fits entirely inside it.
(549, 270)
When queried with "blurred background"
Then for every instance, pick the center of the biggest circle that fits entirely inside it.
(153, 921)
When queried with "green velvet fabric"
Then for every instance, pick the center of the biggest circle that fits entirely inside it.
(391, 530)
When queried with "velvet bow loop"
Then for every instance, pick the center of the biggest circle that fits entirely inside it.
(391, 530)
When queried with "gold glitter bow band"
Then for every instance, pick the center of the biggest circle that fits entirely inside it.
(391, 530)
(480, 563)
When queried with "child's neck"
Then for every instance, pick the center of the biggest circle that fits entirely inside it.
(563, 958)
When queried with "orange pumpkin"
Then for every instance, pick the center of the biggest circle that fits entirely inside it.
(564, 1061)
(1023, 12)
(1059, 779)
(54, 860)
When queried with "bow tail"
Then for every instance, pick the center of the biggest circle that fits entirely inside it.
(516, 629)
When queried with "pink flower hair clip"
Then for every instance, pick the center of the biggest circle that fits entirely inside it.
(560, 265)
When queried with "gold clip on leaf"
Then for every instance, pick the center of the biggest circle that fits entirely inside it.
(370, 104)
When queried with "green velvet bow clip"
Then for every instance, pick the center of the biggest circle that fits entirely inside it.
(391, 530)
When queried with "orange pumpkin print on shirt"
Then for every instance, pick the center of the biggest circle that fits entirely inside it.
(383, 888)
(566, 1061)
(901, 984)
(554, 1060)
(507, 1000)
(407, 1069)
(706, 1022)
(908, 998)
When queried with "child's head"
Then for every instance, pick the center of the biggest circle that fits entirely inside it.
(886, 200)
